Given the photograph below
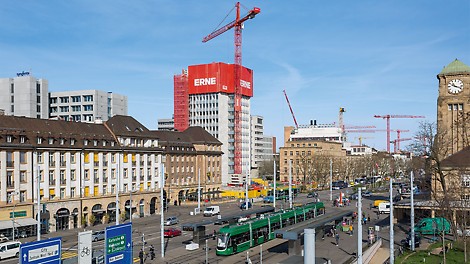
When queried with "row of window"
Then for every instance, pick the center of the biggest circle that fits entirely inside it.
(455, 107)
(74, 99)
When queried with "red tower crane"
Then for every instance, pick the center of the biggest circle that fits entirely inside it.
(237, 25)
(396, 143)
(290, 108)
(387, 117)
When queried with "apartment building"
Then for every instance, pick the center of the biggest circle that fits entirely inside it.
(24, 95)
(78, 168)
(86, 105)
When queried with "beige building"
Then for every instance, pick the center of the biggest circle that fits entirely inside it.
(81, 166)
(453, 107)
(302, 152)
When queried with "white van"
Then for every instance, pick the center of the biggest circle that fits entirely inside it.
(10, 249)
(384, 208)
(212, 210)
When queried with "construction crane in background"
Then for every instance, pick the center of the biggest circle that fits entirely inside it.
(290, 108)
(387, 117)
(396, 144)
(360, 138)
(399, 131)
(237, 25)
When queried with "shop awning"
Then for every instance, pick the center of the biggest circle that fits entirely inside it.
(98, 210)
(18, 222)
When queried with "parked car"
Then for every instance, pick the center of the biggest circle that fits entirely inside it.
(268, 199)
(367, 194)
(98, 235)
(243, 205)
(172, 232)
(240, 219)
(312, 195)
(384, 208)
(407, 241)
(461, 233)
(353, 196)
(173, 220)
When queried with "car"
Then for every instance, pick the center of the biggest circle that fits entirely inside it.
(367, 194)
(173, 220)
(353, 196)
(172, 232)
(241, 218)
(461, 233)
(312, 195)
(268, 199)
(243, 205)
(97, 235)
(407, 241)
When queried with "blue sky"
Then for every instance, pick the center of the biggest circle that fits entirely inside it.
(371, 57)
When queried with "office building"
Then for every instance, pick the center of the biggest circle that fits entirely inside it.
(24, 95)
(86, 105)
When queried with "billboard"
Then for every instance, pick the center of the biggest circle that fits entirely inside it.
(218, 77)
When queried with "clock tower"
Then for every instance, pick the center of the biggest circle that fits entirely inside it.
(453, 107)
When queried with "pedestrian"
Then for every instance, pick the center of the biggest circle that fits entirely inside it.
(141, 256)
(370, 206)
(364, 220)
(378, 214)
(368, 217)
(152, 252)
(351, 230)
(214, 235)
(337, 239)
(179, 202)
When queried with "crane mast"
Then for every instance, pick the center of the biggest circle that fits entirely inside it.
(237, 105)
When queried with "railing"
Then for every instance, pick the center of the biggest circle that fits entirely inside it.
(51, 163)
(63, 163)
(10, 164)
(51, 181)
(63, 181)
(105, 163)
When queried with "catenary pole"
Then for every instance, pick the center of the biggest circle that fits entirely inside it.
(274, 189)
(412, 214)
(392, 256)
(331, 179)
(359, 225)
(162, 217)
(290, 184)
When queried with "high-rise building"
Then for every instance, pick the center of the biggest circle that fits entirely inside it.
(86, 105)
(261, 145)
(166, 124)
(24, 95)
(210, 103)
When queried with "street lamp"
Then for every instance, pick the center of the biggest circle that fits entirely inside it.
(13, 215)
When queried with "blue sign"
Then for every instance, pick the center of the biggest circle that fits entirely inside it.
(43, 251)
(119, 244)
(23, 73)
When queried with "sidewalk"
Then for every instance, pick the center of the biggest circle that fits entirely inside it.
(380, 256)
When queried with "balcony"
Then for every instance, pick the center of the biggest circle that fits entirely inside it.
(51, 181)
(96, 164)
(105, 163)
(63, 181)
(63, 163)
(51, 163)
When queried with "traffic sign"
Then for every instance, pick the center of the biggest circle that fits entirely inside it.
(119, 244)
(43, 251)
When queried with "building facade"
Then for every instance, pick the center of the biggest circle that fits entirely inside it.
(78, 168)
(166, 124)
(262, 146)
(300, 152)
(205, 97)
(86, 105)
(24, 95)
(453, 107)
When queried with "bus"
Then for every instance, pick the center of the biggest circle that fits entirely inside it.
(239, 237)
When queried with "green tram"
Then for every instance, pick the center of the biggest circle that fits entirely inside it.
(239, 237)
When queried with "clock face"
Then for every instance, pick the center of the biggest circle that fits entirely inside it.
(455, 86)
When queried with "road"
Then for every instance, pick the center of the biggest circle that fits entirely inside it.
(149, 227)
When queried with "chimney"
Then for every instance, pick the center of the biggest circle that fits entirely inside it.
(311, 122)
(314, 122)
